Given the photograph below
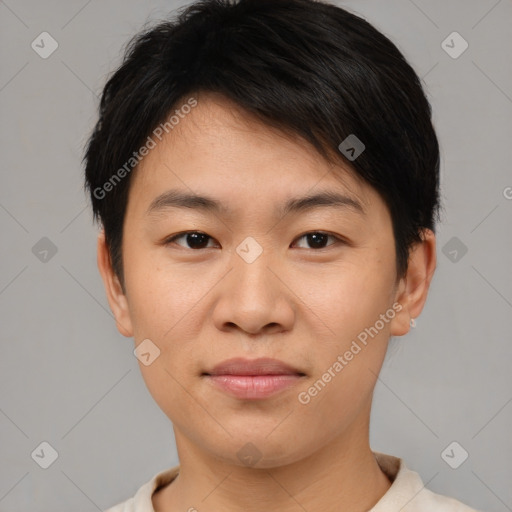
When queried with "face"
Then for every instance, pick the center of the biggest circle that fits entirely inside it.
(287, 257)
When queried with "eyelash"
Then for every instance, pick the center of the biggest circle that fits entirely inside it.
(170, 240)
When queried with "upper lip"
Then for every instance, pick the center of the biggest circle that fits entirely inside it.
(261, 366)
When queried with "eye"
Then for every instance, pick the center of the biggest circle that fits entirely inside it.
(198, 240)
(194, 239)
(318, 239)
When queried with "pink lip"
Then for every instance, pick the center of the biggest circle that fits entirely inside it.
(253, 379)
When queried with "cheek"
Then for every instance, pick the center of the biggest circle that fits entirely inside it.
(164, 309)
(167, 306)
(161, 297)
(349, 297)
(352, 308)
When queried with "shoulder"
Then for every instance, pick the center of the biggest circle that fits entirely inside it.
(142, 501)
(429, 501)
(125, 506)
(408, 492)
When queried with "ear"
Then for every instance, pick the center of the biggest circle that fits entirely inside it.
(115, 295)
(412, 289)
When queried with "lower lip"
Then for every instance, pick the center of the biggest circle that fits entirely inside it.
(253, 387)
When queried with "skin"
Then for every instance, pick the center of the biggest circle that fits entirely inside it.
(297, 303)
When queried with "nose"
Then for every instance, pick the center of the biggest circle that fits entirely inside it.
(254, 298)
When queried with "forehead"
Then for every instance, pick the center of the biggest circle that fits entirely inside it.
(220, 150)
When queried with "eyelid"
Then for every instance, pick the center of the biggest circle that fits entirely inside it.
(339, 240)
(170, 239)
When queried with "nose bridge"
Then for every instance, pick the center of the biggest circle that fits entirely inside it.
(250, 249)
(252, 278)
(252, 297)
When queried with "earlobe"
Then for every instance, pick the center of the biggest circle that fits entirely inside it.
(115, 295)
(413, 289)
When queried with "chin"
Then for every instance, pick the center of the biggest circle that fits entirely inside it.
(261, 450)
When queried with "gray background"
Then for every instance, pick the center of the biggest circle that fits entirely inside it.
(67, 377)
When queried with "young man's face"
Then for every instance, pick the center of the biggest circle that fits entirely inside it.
(254, 286)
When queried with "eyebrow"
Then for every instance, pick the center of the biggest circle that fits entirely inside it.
(179, 199)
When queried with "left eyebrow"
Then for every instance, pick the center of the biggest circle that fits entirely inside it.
(326, 198)
(179, 199)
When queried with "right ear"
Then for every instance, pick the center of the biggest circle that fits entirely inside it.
(115, 295)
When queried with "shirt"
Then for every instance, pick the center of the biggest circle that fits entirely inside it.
(406, 494)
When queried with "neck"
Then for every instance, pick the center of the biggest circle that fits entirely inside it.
(343, 474)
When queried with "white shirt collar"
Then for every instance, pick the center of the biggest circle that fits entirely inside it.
(406, 494)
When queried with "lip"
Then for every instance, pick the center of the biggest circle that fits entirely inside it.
(253, 379)
(261, 366)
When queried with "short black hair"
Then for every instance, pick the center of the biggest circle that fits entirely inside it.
(306, 67)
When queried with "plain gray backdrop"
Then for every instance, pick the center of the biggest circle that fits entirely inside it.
(68, 378)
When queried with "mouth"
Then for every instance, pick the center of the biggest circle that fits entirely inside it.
(254, 379)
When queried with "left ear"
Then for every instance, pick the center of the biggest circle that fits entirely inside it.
(413, 288)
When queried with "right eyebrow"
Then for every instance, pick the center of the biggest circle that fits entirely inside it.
(178, 199)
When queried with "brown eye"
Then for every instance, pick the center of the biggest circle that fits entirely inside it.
(317, 239)
(193, 239)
